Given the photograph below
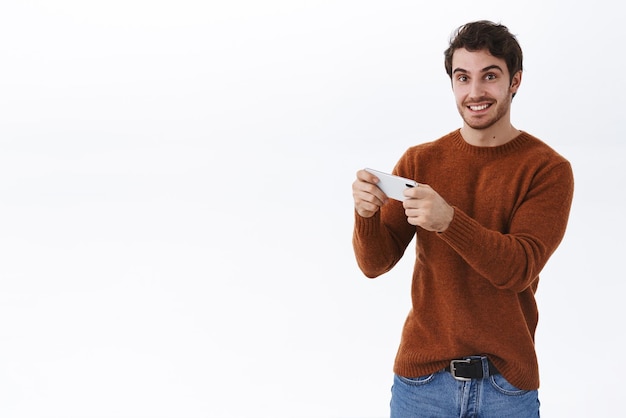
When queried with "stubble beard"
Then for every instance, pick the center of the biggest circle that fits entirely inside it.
(481, 123)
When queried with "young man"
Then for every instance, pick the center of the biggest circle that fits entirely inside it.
(491, 207)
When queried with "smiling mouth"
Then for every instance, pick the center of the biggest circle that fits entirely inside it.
(478, 108)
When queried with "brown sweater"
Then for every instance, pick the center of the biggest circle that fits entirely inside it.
(473, 289)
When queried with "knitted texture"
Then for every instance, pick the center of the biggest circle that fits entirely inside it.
(473, 287)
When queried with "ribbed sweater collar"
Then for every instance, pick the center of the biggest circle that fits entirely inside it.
(513, 145)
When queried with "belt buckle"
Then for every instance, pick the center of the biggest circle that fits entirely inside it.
(453, 369)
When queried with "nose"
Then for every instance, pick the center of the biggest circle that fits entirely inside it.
(476, 89)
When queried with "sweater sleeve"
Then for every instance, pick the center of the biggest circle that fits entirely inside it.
(380, 241)
(513, 260)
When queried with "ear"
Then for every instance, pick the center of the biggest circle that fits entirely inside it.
(515, 82)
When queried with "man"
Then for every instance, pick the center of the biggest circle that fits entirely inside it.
(491, 207)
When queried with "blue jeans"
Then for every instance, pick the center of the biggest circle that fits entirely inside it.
(441, 395)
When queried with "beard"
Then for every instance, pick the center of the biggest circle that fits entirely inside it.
(487, 120)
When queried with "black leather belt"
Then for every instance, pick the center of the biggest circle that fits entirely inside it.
(471, 368)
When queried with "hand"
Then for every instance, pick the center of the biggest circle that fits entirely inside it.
(368, 198)
(427, 209)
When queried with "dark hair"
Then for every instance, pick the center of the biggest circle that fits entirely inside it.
(483, 34)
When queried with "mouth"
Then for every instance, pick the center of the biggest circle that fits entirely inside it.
(478, 108)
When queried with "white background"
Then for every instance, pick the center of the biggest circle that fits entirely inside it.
(176, 212)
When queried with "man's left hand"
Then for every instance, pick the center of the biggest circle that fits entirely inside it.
(424, 207)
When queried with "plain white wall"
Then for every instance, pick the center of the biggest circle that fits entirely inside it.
(176, 213)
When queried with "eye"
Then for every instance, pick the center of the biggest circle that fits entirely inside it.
(462, 78)
(490, 76)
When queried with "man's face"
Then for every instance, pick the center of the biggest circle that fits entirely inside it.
(482, 88)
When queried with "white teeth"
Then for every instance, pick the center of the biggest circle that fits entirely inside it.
(476, 108)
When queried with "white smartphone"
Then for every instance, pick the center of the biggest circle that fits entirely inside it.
(392, 186)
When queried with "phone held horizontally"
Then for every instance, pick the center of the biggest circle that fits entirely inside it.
(392, 186)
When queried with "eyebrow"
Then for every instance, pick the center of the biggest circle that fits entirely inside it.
(484, 70)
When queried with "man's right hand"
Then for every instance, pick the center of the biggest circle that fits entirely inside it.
(368, 198)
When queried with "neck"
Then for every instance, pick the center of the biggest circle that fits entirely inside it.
(490, 137)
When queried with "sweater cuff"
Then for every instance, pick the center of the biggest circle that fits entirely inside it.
(461, 231)
(367, 226)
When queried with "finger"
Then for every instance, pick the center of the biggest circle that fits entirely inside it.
(411, 193)
(367, 204)
(370, 193)
(370, 188)
(413, 220)
(365, 207)
(367, 177)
